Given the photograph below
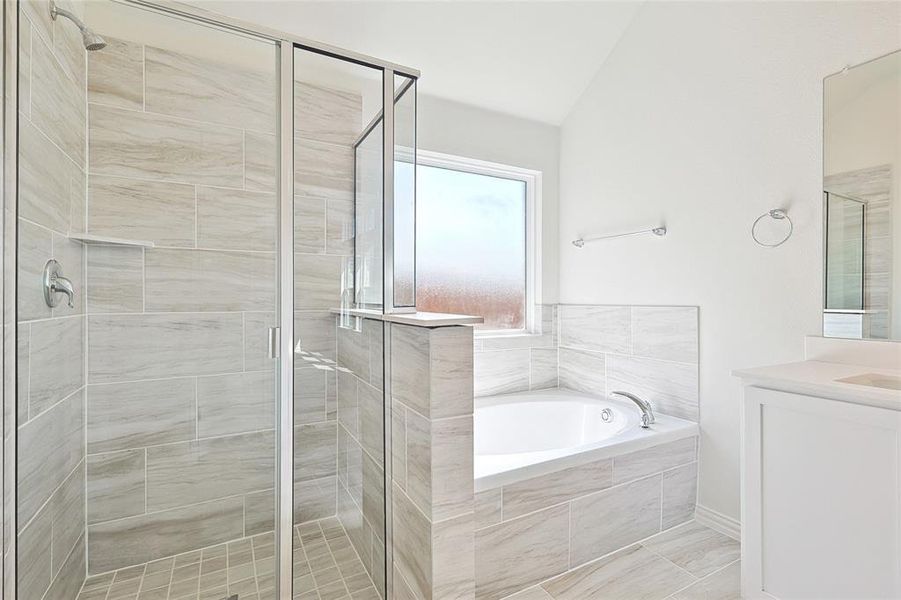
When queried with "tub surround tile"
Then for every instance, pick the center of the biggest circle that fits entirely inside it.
(583, 370)
(614, 518)
(517, 554)
(502, 371)
(597, 328)
(543, 369)
(680, 495)
(665, 332)
(555, 488)
(672, 388)
(641, 463)
(631, 573)
(488, 508)
(695, 548)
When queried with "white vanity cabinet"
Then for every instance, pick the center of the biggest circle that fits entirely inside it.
(821, 496)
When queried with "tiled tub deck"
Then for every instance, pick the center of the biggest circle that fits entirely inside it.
(326, 567)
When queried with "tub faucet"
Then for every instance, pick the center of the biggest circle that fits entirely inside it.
(647, 413)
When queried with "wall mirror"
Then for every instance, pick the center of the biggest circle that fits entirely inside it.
(862, 195)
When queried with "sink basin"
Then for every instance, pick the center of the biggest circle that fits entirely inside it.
(888, 382)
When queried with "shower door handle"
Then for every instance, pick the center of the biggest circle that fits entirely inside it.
(273, 342)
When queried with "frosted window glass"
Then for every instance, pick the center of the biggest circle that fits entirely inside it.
(471, 246)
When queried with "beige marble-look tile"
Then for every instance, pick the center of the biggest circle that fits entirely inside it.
(67, 508)
(315, 336)
(25, 33)
(35, 248)
(724, 584)
(57, 103)
(310, 395)
(235, 403)
(314, 451)
(23, 346)
(543, 369)
(517, 554)
(451, 467)
(631, 573)
(614, 518)
(149, 537)
(353, 352)
(326, 114)
(154, 211)
(182, 85)
(131, 144)
(595, 327)
(339, 227)
(115, 276)
(48, 179)
(129, 347)
(532, 593)
(138, 414)
(696, 548)
(554, 488)
(55, 440)
(453, 557)
(68, 45)
(236, 219)
(208, 280)
(116, 75)
(309, 225)
(256, 341)
(115, 485)
(56, 368)
(641, 463)
(488, 509)
(501, 371)
(71, 574)
(583, 370)
(33, 556)
(412, 545)
(70, 255)
(671, 387)
(451, 372)
(317, 281)
(259, 512)
(372, 421)
(410, 367)
(314, 499)
(680, 495)
(323, 170)
(399, 444)
(260, 161)
(198, 471)
(374, 495)
(665, 332)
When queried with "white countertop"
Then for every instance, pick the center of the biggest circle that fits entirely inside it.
(817, 378)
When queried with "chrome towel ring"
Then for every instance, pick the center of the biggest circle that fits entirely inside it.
(778, 214)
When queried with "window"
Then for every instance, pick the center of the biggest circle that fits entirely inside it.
(477, 241)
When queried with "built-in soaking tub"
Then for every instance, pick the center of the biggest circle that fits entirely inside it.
(560, 482)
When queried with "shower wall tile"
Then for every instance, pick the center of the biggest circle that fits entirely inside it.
(236, 219)
(595, 327)
(315, 333)
(57, 103)
(208, 280)
(68, 45)
(412, 545)
(56, 368)
(615, 518)
(314, 499)
(317, 281)
(71, 575)
(372, 416)
(583, 370)
(641, 463)
(191, 472)
(311, 395)
(672, 388)
(67, 508)
(339, 227)
(33, 549)
(126, 144)
(158, 212)
(38, 14)
(315, 451)
(260, 161)
(373, 494)
(664, 332)
(144, 538)
(116, 75)
(70, 255)
(236, 403)
(48, 179)
(55, 440)
(680, 495)
(187, 86)
(115, 485)
(129, 347)
(115, 279)
(256, 341)
(23, 362)
(453, 548)
(309, 225)
(323, 170)
(25, 34)
(140, 413)
(35, 248)
(326, 114)
(259, 512)
(516, 554)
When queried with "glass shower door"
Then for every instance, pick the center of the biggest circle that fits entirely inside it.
(146, 392)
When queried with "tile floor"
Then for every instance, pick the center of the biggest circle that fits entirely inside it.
(689, 562)
(326, 567)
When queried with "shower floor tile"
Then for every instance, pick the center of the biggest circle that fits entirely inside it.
(326, 567)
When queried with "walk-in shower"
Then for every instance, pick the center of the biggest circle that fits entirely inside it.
(194, 387)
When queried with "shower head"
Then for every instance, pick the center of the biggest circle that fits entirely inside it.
(91, 40)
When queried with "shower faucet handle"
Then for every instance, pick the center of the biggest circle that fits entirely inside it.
(55, 283)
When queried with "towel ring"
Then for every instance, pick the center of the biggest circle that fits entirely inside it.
(778, 214)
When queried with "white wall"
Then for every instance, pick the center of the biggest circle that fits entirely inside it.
(705, 116)
(454, 128)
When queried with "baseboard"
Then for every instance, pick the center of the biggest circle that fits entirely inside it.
(718, 522)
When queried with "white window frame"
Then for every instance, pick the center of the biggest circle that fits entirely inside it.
(532, 179)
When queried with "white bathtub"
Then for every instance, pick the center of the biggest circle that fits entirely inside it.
(522, 435)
